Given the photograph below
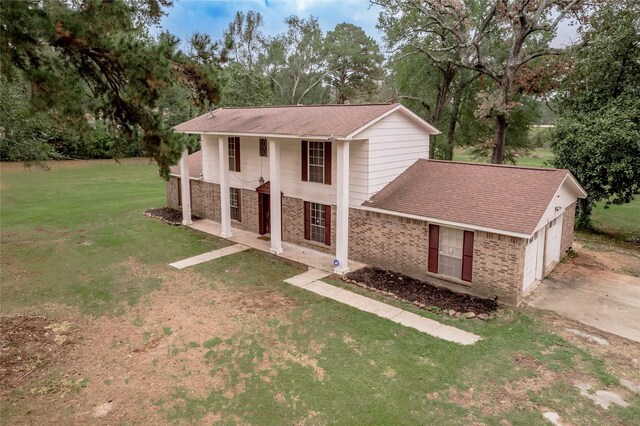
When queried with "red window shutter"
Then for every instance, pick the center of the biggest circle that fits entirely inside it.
(307, 220)
(237, 144)
(179, 192)
(434, 242)
(305, 161)
(467, 256)
(327, 224)
(239, 198)
(327, 163)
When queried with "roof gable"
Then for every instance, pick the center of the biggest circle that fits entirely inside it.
(506, 198)
(320, 121)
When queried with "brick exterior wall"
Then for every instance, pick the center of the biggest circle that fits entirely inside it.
(568, 219)
(389, 242)
(205, 198)
(498, 266)
(248, 211)
(172, 192)
(293, 225)
(402, 245)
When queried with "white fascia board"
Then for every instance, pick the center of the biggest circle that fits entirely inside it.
(398, 107)
(268, 135)
(190, 177)
(445, 222)
(576, 185)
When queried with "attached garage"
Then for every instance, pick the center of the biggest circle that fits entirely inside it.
(493, 231)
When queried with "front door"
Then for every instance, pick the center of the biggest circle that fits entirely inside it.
(264, 206)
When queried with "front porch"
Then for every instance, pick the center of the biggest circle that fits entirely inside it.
(304, 255)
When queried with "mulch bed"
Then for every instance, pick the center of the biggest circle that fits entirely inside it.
(166, 214)
(421, 293)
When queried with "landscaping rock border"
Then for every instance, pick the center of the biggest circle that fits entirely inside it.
(422, 294)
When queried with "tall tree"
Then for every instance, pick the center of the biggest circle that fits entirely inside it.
(597, 136)
(101, 50)
(244, 38)
(466, 34)
(295, 61)
(354, 63)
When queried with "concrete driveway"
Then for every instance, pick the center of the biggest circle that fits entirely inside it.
(589, 292)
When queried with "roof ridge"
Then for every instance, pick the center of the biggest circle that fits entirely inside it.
(303, 106)
(508, 166)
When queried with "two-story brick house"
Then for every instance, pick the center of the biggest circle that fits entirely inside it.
(355, 180)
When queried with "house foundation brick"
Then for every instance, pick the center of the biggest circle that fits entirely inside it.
(293, 225)
(568, 221)
(402, 245)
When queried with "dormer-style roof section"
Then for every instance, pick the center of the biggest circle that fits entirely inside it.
(195, 166)
(300, 121)
(482, 196)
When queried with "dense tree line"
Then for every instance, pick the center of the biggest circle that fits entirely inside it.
(86, 79)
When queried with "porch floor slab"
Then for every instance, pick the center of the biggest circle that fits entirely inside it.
(205, 257)
(306, 256)
(397, 315)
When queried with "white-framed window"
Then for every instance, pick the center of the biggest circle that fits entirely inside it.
(450, 252)
(234, 194)
(263, 150)
(318, 225)
(316, 162)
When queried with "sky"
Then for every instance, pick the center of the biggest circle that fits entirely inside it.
(213, 16)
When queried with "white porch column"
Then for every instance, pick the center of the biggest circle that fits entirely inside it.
(275, 197)
(225, 197)
(342, 208)
(185, 191)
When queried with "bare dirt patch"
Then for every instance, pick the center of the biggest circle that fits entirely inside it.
(133, 363)
(622, 355)
(495, 398)
(601, 260)
(28, 346)
(422, 293)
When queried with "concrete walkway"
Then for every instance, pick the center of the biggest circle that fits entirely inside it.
(306, 256)
(309, 280)
(205, 257)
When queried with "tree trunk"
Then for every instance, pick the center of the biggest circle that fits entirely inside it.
(583, 221)
(453, 120)
(497, 157)
(448, 75)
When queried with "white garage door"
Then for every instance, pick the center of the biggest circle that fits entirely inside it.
(554, 235)
(530, 262)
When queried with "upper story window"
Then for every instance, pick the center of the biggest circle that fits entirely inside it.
(234, 154)
(316, 162)
(263, 148)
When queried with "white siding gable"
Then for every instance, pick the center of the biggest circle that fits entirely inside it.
(394, 143)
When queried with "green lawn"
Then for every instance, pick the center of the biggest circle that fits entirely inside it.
(229, 341)
(538, 157)
(621, 220)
